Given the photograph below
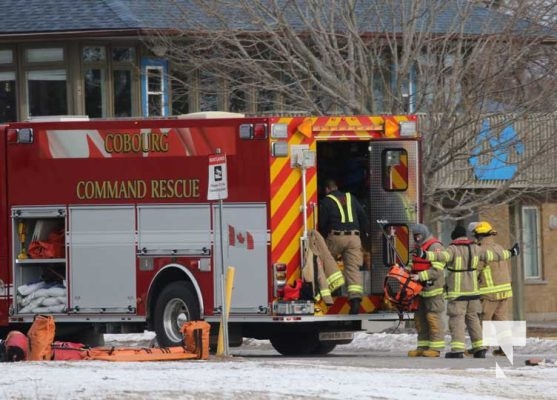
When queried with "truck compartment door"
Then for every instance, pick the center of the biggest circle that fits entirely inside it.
(102, 259)
(394, 197)
(174, 229)
(245, 242)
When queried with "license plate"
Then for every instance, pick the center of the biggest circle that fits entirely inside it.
(332, 336)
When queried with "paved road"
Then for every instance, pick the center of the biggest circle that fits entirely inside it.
(386, 359)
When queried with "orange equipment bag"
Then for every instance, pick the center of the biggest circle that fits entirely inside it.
(41, 336)
(196, 338)
(68, 351)
(53, 247)
(16, 347)
(400, 289)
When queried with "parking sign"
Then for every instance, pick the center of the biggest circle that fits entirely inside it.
(218, 185)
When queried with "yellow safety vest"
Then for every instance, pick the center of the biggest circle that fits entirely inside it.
(341, 209)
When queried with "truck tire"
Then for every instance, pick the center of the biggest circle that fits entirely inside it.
(175, 305)
(324, 348)
(295, 344)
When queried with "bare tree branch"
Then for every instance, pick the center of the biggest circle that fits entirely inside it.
(459, 64)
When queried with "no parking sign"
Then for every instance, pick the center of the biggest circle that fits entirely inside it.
(218, 180)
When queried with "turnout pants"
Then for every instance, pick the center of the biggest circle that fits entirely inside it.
(350, 248)
(495, 310)
(465, 314)
(329, 277)
(429, 323)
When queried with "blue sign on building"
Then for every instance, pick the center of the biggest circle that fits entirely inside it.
(500, 147)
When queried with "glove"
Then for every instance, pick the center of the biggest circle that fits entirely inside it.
(414, 277)
(419, 252)
(515, 250)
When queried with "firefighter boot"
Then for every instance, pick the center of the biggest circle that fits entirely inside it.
(355, 306)
(416, 352)
(480, 353)
(498, 352)
(431, 353)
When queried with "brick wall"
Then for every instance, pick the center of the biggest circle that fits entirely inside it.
(540, 297)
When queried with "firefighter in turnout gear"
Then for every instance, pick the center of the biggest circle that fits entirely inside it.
(494, 276)
(342, 220)
(429, 324)
(329, 278)
(462, 293)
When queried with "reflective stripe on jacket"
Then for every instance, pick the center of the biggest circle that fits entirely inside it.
(463, 258)
(343, 216)
(495, 272)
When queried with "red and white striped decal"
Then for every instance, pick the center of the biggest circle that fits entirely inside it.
(160, 142)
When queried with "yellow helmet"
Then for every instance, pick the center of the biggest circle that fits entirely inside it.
(484, 228)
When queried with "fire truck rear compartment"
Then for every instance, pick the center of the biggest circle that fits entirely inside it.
(348, 163)
(363, 168)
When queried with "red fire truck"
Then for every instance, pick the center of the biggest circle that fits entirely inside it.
(113, 226)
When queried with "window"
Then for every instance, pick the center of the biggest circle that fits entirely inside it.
(121, 62)
(531, 242)
(95, 101)
(8, 111)
(404, 88)
(33, 56)
(46, 81)
(208, 92)
(395, 170)
(122, 93)
(238, 101)
(154, 87)
(47, 92)
(108, 80)
(180, 95)
(6, 57)
(265, 100)
(7, 97)
(94, 58)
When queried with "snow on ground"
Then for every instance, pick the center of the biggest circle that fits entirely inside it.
(277, 377)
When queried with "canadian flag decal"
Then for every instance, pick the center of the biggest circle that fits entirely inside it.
(238, 238)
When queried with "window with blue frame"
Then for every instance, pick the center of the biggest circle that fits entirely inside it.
(154, 87)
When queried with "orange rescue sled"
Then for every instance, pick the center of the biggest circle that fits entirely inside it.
(173, 353)
(195, 347)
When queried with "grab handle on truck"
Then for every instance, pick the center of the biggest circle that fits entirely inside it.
(390, 238)
(145, 252)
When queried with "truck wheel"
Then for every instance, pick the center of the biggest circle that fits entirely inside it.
(324, 348)
(176, 305)
(298, 344)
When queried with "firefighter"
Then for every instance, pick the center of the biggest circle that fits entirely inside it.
(462, 293)
(429, 324)
(342, 221)
(470, 229)
(494, 277)
(329, 278)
